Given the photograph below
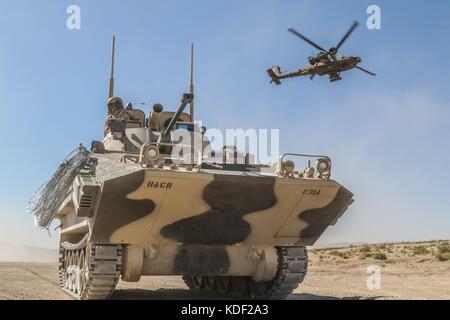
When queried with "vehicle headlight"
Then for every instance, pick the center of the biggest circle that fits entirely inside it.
(188, 159)
(323, 166)
(288, 167)
(151, 153)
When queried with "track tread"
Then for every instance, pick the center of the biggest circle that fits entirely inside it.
(292, 268)
(102, 277)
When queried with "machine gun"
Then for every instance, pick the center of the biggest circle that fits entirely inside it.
(187, 98)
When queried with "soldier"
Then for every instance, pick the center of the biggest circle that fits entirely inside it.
(115, 106)
(116, 110)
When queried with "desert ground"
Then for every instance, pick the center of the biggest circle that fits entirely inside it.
(407, 271)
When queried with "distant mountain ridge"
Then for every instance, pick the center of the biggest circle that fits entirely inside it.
(19, 253)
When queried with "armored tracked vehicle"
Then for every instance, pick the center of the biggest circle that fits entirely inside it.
(133, 209)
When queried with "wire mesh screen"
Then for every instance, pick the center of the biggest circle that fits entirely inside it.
(49, 197)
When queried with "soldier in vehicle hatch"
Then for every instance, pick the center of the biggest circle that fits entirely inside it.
(116, 110)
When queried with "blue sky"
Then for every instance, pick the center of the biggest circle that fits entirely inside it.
(388, 135)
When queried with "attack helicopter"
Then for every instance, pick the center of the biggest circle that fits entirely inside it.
(326, 62)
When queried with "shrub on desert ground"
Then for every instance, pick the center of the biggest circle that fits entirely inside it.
(443, 256)
(420, 250)
(365, 255)
(365, 249)
(341, 254)
(444, 247)
(379, 256)
(443, 252)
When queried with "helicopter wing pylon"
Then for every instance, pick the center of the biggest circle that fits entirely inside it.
(335, 76)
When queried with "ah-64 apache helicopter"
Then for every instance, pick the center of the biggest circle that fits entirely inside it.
(325, 62)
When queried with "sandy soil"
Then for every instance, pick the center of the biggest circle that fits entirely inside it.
(410, 271)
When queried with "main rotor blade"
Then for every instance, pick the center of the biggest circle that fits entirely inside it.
(349, 32)
(315, 45)
(366, 71)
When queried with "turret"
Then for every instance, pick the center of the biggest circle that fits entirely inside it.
(129, 132)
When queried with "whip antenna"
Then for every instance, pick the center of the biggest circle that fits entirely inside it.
(111, 79)
(191, 86)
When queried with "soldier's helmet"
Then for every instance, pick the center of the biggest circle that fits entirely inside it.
(114, 104)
